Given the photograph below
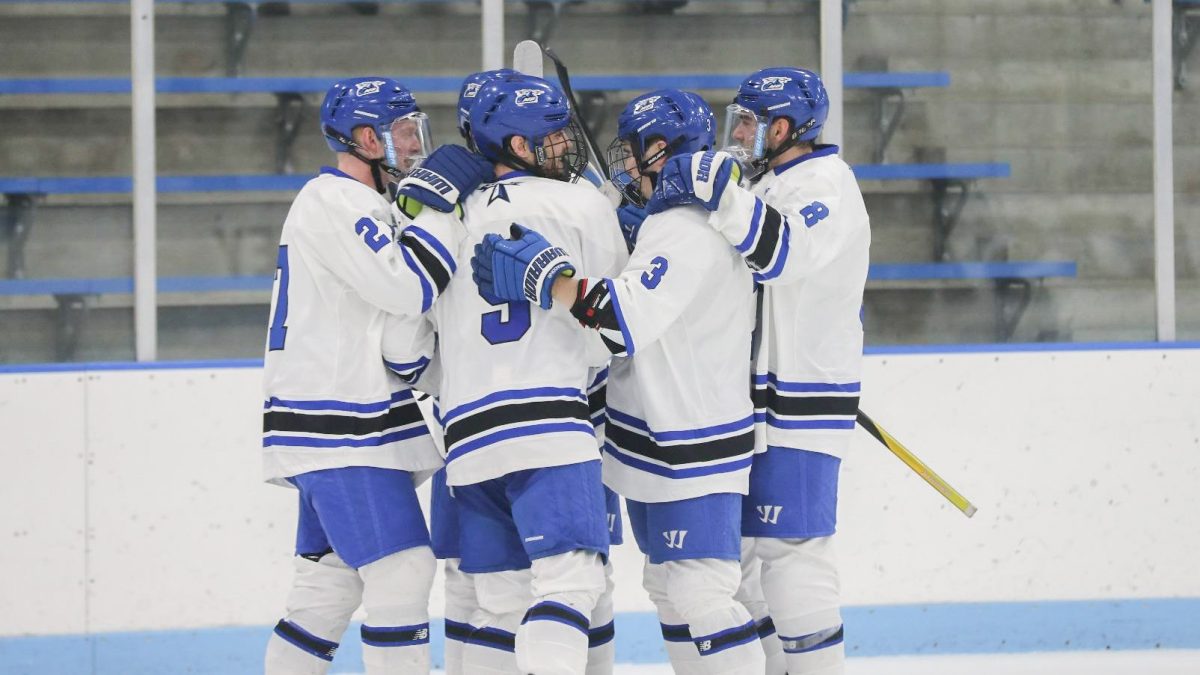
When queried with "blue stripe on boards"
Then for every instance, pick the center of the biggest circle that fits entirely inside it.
(955, 628)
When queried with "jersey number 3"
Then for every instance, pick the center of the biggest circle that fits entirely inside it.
(497, 330)
(654, 275)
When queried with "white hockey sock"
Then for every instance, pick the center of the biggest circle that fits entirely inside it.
(503, 597)
(819, 653)
(324, 594)
(395, 634)
(460, 604)
(601, 631)
(702, 591)
(553, 637)
(292, 650)
(771, 646)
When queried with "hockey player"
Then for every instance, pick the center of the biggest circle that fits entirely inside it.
(522, 458)
(338, 425)
(679, 435)
(803, 229)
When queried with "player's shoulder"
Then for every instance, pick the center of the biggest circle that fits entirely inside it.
(822, 163)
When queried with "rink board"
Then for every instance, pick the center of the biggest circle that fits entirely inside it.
(138, 525)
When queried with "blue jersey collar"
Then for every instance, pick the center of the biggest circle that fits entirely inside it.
(818, 151)
(332, 171)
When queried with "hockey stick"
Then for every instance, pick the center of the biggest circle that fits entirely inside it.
(921, 469)
(527, 58)
(564, 78)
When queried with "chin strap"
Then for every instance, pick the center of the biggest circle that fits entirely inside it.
(763, 163)
(378, 167)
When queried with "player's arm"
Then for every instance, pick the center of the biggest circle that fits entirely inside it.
(630, 310)
(409, 344)
(791, 237)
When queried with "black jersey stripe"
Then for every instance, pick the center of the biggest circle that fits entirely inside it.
(810, 405)
(514, 413)
(768, 240)
(341, 425)
(428, 260)
(636, 443)
(596, 400)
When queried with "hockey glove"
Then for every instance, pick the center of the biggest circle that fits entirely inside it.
(449, 173)
(699, 178)
(631, 218)
(521, 268)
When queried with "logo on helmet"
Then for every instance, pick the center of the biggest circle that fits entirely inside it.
(471, 90)
(524, 97)
(775, 83)
(645, 104)
(367, 88)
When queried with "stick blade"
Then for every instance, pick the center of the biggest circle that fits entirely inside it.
(527, 58)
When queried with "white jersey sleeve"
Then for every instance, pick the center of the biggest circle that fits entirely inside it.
(633, 309)
(798, 219)
(356, 240)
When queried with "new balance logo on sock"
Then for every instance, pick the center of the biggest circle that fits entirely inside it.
(421, 634)
(674, 538)
(704, 645)
(769, 514)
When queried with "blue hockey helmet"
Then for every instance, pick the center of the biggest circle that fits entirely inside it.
(680, 119)
(467, 94)
(387, 107)
(533, 109)
(794, 94)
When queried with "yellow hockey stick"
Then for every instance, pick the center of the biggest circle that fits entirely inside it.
(921, 469)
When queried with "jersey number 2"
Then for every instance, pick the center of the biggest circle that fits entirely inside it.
(277, 333)
(497, 330)
(371, 234)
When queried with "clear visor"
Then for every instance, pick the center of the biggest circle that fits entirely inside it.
(406, 142)
(745, 134)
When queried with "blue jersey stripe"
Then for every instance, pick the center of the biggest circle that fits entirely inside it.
(755, 223)
(808, 387)
(426, 287)
(435, 245)
(518, 432)
(774, 421)
(327, 442)
(340, 406)
(612, 294)
(668, 472)
(512, 395)
(781, 257)
(683, 434)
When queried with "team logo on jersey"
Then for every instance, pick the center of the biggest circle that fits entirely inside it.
(704, 645)
(674, 538)
(524, 97)
(471, 90)
(775, 83)
(769, 514)
(645, 104)
(368, 88)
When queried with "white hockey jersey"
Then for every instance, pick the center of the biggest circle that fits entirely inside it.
(330, 401)
(804, 230)
(514, 378)
(679, 414)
